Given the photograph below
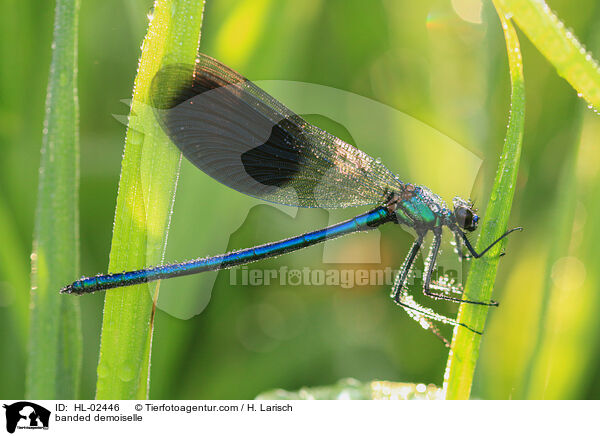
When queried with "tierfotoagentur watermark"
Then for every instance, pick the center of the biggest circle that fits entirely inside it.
(344, 278)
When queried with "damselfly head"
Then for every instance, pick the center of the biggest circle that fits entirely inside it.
(464, 213)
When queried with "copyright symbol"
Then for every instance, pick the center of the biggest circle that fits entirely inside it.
(138, 407)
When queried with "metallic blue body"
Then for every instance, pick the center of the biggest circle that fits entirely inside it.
(363, 222)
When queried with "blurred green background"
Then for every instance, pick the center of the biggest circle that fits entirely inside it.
(443, 63)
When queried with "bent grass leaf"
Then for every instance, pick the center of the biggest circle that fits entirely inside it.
(559, 45)
(464, 350)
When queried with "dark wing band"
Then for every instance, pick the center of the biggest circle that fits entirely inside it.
(244, 138)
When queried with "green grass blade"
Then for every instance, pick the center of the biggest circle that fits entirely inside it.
(480, 281)
(558, 44)
(146, 192)
(55, 344)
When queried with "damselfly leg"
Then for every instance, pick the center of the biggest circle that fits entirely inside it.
(425, 316)
(430, 266)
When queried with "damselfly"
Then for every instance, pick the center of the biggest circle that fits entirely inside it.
(244, 138)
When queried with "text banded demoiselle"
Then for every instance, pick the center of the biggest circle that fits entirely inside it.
(247, 140)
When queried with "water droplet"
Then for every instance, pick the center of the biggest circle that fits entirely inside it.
(103, 369)
(126, 371)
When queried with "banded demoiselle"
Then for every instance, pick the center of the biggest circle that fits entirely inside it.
(247, 140)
